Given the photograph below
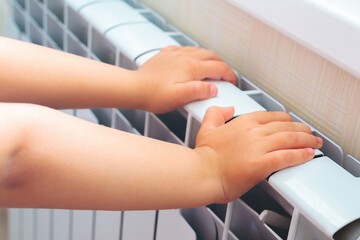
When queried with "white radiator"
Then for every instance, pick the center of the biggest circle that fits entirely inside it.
(317, 200)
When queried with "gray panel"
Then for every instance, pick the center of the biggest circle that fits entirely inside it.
(86, 114)
(57, 8)
(184, 40)
(14, 223)
(268, 102)
(55, 30)
(135, 4)
(136, 118)
(43, 224)
(68, 111)
(352, 165)
(171, 225)
(36, 35)
(36, 12)
(126, 62)
(29, 221)
(158, 130)
(61, 227)
(74, 46)
(121, 123)
(102, 47)
(103, 115)
(176, 122)
(218, 223)
(246, 224)
(138, 225)
(21, 3)
(29, 224)
(78, 26)
(157, 20)
(51, 44)
(192, 132)
(107, 225)
(202, 222)
(247, 210)
(19, 17)
(247, 85)
(82, 225)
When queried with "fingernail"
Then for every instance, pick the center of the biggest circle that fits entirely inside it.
(310, 151)
(320, 141)
(213, 91)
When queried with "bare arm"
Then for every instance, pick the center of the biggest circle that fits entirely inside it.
(33, 74)
(52, 160)
(65, 162)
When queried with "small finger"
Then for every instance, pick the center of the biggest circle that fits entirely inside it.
(292, 140)
(215, 70)
(281, 159)
(275, 127)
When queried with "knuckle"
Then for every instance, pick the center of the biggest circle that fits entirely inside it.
(303, 154)
(285, 115)
(254, 115)
(287, 156)
(224, 66)
(315, 141)
(211, 52)
(292, 137)
(245, 117)
(307, 128)
(259, 131)
(201, 90)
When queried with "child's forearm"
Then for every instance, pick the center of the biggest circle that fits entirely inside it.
(34, 74)
(52, 160)
(65, 162)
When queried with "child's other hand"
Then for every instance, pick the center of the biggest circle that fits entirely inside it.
(248, 149)
(173, 77)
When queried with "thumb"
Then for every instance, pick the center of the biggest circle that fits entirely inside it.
(215, 117)
(197, 90)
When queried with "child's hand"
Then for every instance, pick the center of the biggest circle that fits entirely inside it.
(249, 148)
(173, 77)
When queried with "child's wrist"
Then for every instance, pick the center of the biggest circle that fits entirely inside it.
(213, 173)
(139, 91)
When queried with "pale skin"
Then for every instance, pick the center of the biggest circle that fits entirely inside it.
(52, 160)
